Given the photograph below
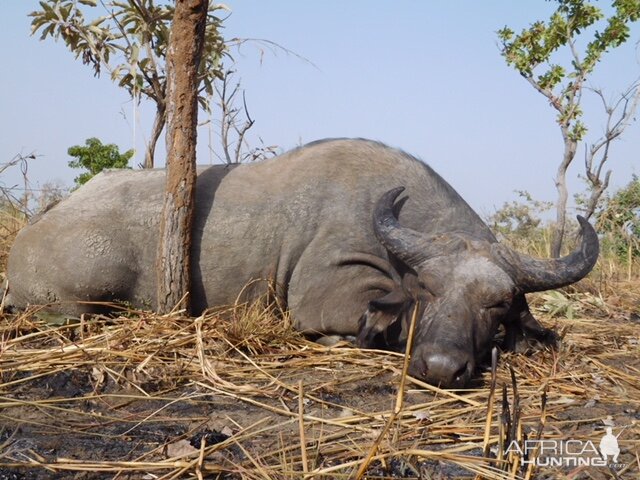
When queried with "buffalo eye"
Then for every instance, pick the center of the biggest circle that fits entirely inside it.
(424, 289)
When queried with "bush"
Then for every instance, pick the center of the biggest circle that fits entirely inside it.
(95, 157)
(518, 224)
(618, 220)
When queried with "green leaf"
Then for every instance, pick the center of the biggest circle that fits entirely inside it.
(94, 157)
(47, 8)
(115, 73)
(133, 55)
(49, 29)
(143, 31)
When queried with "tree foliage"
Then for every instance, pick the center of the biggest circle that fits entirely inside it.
(129, 39)
(533, 53)
(519, 217)
(519, 224)
(619, 218)
(94, 157)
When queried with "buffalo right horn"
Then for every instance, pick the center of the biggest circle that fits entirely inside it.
(535, 275)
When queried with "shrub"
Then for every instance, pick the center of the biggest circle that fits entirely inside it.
(95, 157)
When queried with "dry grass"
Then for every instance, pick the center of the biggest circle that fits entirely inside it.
(11, 221)
(237, 394)
(262, 402)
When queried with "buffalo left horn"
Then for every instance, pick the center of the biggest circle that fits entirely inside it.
(535, 275)
(408, 245)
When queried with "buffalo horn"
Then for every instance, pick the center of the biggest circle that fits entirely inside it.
(408, 245)
(535, 275)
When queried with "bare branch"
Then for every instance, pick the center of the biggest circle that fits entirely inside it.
(272, 46)
(619, 116)
(553, 100)
(225, 121)
(244, 129)
(232, 132)
(20, 204)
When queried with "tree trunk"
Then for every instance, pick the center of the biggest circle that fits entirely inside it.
(183, 57)
(597, 190)
(158, 124)
(570, 147)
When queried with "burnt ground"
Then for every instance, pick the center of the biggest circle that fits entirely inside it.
(167, 397)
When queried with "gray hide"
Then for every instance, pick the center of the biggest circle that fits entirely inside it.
(305, 220)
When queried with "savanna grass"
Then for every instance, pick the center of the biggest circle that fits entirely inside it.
(284, 407)
(297, 413)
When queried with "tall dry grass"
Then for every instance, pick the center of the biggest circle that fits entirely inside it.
(12, 219)
(292, 408)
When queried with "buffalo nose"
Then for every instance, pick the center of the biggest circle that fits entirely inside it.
(450, 369)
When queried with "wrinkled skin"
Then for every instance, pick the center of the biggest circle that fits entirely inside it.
(456, 324)
(467, 287)
(349, 251)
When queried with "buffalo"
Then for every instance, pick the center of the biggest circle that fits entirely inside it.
(353, 233)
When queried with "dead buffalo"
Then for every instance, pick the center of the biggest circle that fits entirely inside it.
(352, 231)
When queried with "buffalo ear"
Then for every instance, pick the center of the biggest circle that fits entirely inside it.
(381, 314)
(522, 330)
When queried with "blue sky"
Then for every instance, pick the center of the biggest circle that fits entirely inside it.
(423, 76)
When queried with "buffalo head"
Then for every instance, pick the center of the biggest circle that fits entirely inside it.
(466, 288)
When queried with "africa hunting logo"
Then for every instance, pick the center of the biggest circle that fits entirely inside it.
(569, 453)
